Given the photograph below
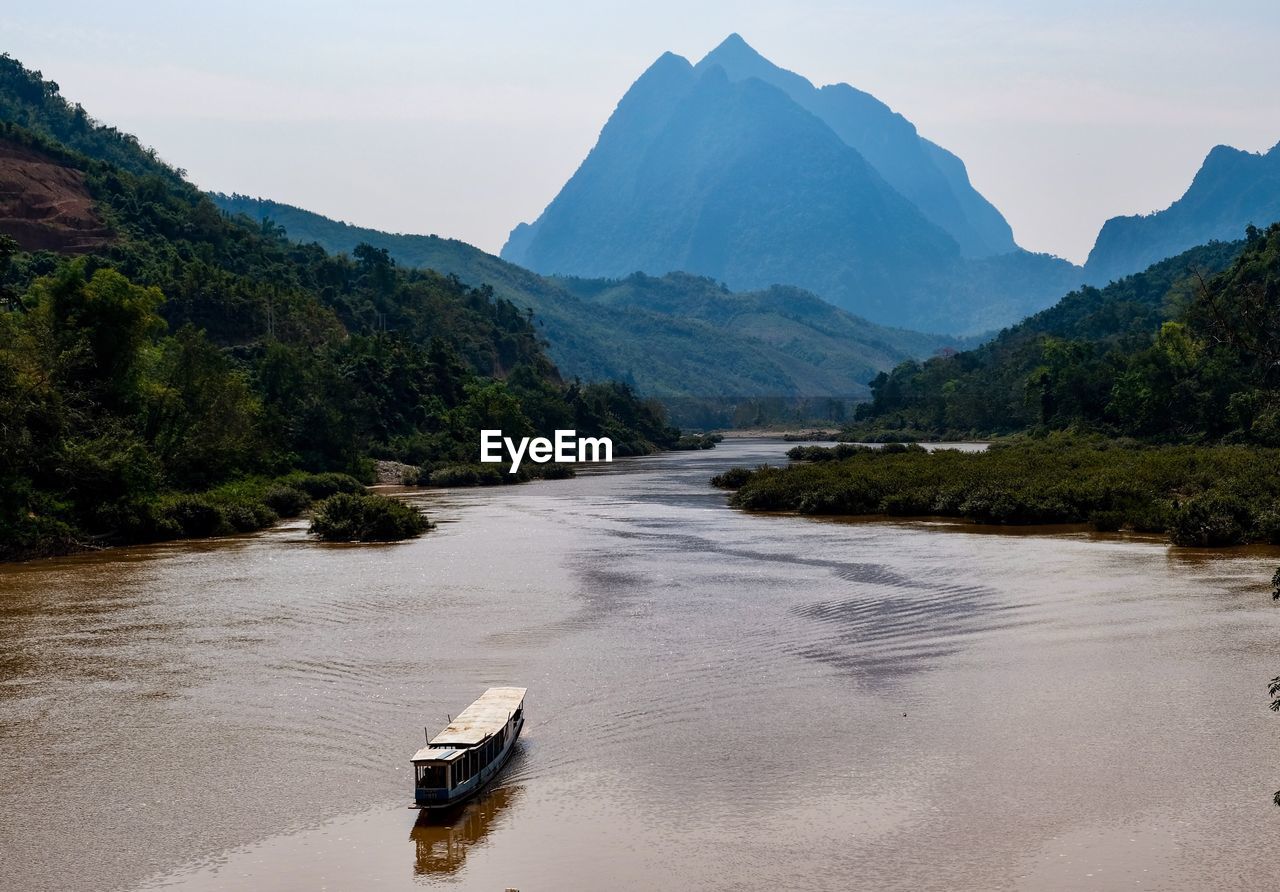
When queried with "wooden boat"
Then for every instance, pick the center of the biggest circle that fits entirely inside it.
(461, 759)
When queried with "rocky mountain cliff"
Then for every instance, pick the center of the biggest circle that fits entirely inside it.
(1231, 190)
(740, 170)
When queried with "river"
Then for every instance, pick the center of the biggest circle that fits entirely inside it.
(716, 700)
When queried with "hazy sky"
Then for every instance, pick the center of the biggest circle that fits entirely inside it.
(463, 119)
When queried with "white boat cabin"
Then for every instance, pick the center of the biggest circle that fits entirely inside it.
(463, 757)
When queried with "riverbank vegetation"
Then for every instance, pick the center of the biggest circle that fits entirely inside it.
(1151, 405)
(476, 474)
(1197, 496)
(1186, 351)
(180, 353)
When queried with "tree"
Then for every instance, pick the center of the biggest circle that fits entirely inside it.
(94, 331)
(202, 416)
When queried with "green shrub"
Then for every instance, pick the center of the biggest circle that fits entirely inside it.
(1149, 517)
(321, 486)
(474, 475)
(1210, 519)
(731, 479)
(26, 536)
(1106, 521)
(194, 516)
(907, 502)
(838, 452)
(245, 517)
(286, 500)
(454, 475)
(1267, 526)
(346, 517)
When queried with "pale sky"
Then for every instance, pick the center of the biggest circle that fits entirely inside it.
(462, 119)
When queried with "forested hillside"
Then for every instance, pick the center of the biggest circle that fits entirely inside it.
(180, 351)
(678, 337)
(1185, 351)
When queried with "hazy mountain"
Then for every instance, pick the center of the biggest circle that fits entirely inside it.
(698, 172)
(739, 170)
(1231, 190)
(929, 176)
(674, 336)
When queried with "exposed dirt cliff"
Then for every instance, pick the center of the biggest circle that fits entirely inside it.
(44, 205)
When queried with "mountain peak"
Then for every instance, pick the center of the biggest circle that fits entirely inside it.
(666, 65)
(930, 177)
(733, 44)
(1232, 189)
(1222, 152)
(742, 170)
(739, 60)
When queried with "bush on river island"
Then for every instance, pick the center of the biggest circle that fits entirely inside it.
(1197, 495)
(347, 517)
(491, 475)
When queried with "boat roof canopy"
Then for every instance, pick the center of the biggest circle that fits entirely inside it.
(481, 719)
(436, 754)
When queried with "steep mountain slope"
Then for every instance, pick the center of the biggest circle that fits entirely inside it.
(676, 336)
(717, 189)
(1231, 190)
(741, 171)
(30, 101)
(926, 174)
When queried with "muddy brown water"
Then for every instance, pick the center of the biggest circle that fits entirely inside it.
(716, 700)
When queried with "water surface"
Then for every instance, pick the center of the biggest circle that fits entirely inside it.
(717, 700)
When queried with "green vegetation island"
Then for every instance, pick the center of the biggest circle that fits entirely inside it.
(1150, 405)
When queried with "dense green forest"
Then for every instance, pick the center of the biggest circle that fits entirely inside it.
(170, 377)
(1183, 352)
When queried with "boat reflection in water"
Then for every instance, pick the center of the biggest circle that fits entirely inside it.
(443, 837)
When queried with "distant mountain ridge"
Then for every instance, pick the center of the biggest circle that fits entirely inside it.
(740, 170)
(1231, 190)
(672, 336)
